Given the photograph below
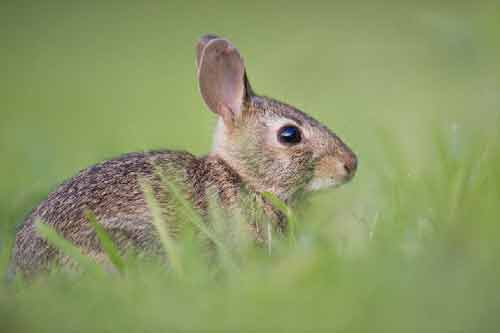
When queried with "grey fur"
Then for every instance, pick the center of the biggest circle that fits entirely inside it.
(245, 161)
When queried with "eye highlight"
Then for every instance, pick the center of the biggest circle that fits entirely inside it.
(289, 135)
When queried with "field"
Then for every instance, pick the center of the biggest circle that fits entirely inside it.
(412, 244)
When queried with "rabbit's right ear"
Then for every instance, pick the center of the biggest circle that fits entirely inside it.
(221, 77)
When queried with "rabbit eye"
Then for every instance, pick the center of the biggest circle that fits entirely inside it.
(289, 135)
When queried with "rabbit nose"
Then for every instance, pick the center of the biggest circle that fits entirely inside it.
(350, 164)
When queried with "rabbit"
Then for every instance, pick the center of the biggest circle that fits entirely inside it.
(260, 145)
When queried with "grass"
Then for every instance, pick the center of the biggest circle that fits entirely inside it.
(411, 245)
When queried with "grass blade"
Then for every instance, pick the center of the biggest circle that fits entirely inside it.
(165, 239)
(283, 208)
(106, 242)
(196, 219)
(66, 247)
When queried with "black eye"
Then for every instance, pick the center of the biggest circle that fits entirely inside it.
(289, 135)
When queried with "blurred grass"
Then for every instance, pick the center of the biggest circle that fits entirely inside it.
(411, 245)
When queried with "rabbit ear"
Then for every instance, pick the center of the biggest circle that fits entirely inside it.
(221, 76)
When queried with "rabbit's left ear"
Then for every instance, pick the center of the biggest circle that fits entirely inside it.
(221, 77)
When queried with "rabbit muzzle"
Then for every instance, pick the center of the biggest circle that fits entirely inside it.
(333, 171)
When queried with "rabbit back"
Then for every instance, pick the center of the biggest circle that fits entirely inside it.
(112, 191)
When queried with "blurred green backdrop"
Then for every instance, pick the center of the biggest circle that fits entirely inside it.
(85, 81)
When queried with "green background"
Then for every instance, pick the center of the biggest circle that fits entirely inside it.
(412, 87)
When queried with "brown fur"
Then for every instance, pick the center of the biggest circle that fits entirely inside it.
(246, 160)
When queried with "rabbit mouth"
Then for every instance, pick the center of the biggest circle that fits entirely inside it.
(322, 183)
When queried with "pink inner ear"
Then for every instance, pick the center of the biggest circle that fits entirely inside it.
(221, 78)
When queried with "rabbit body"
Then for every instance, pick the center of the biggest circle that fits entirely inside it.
(113, 192)
(260, 145)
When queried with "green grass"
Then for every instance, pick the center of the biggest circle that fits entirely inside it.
(411, 245)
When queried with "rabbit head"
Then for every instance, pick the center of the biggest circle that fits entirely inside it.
(272, 146)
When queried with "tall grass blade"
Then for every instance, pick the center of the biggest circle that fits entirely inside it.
(106, 242)
(283, 208)
(160, 225)
(196, 219)
(66, 247)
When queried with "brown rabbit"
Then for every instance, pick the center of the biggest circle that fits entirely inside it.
(260, 145)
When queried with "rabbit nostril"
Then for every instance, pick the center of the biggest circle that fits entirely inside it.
(347, 168)
(350, 165)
